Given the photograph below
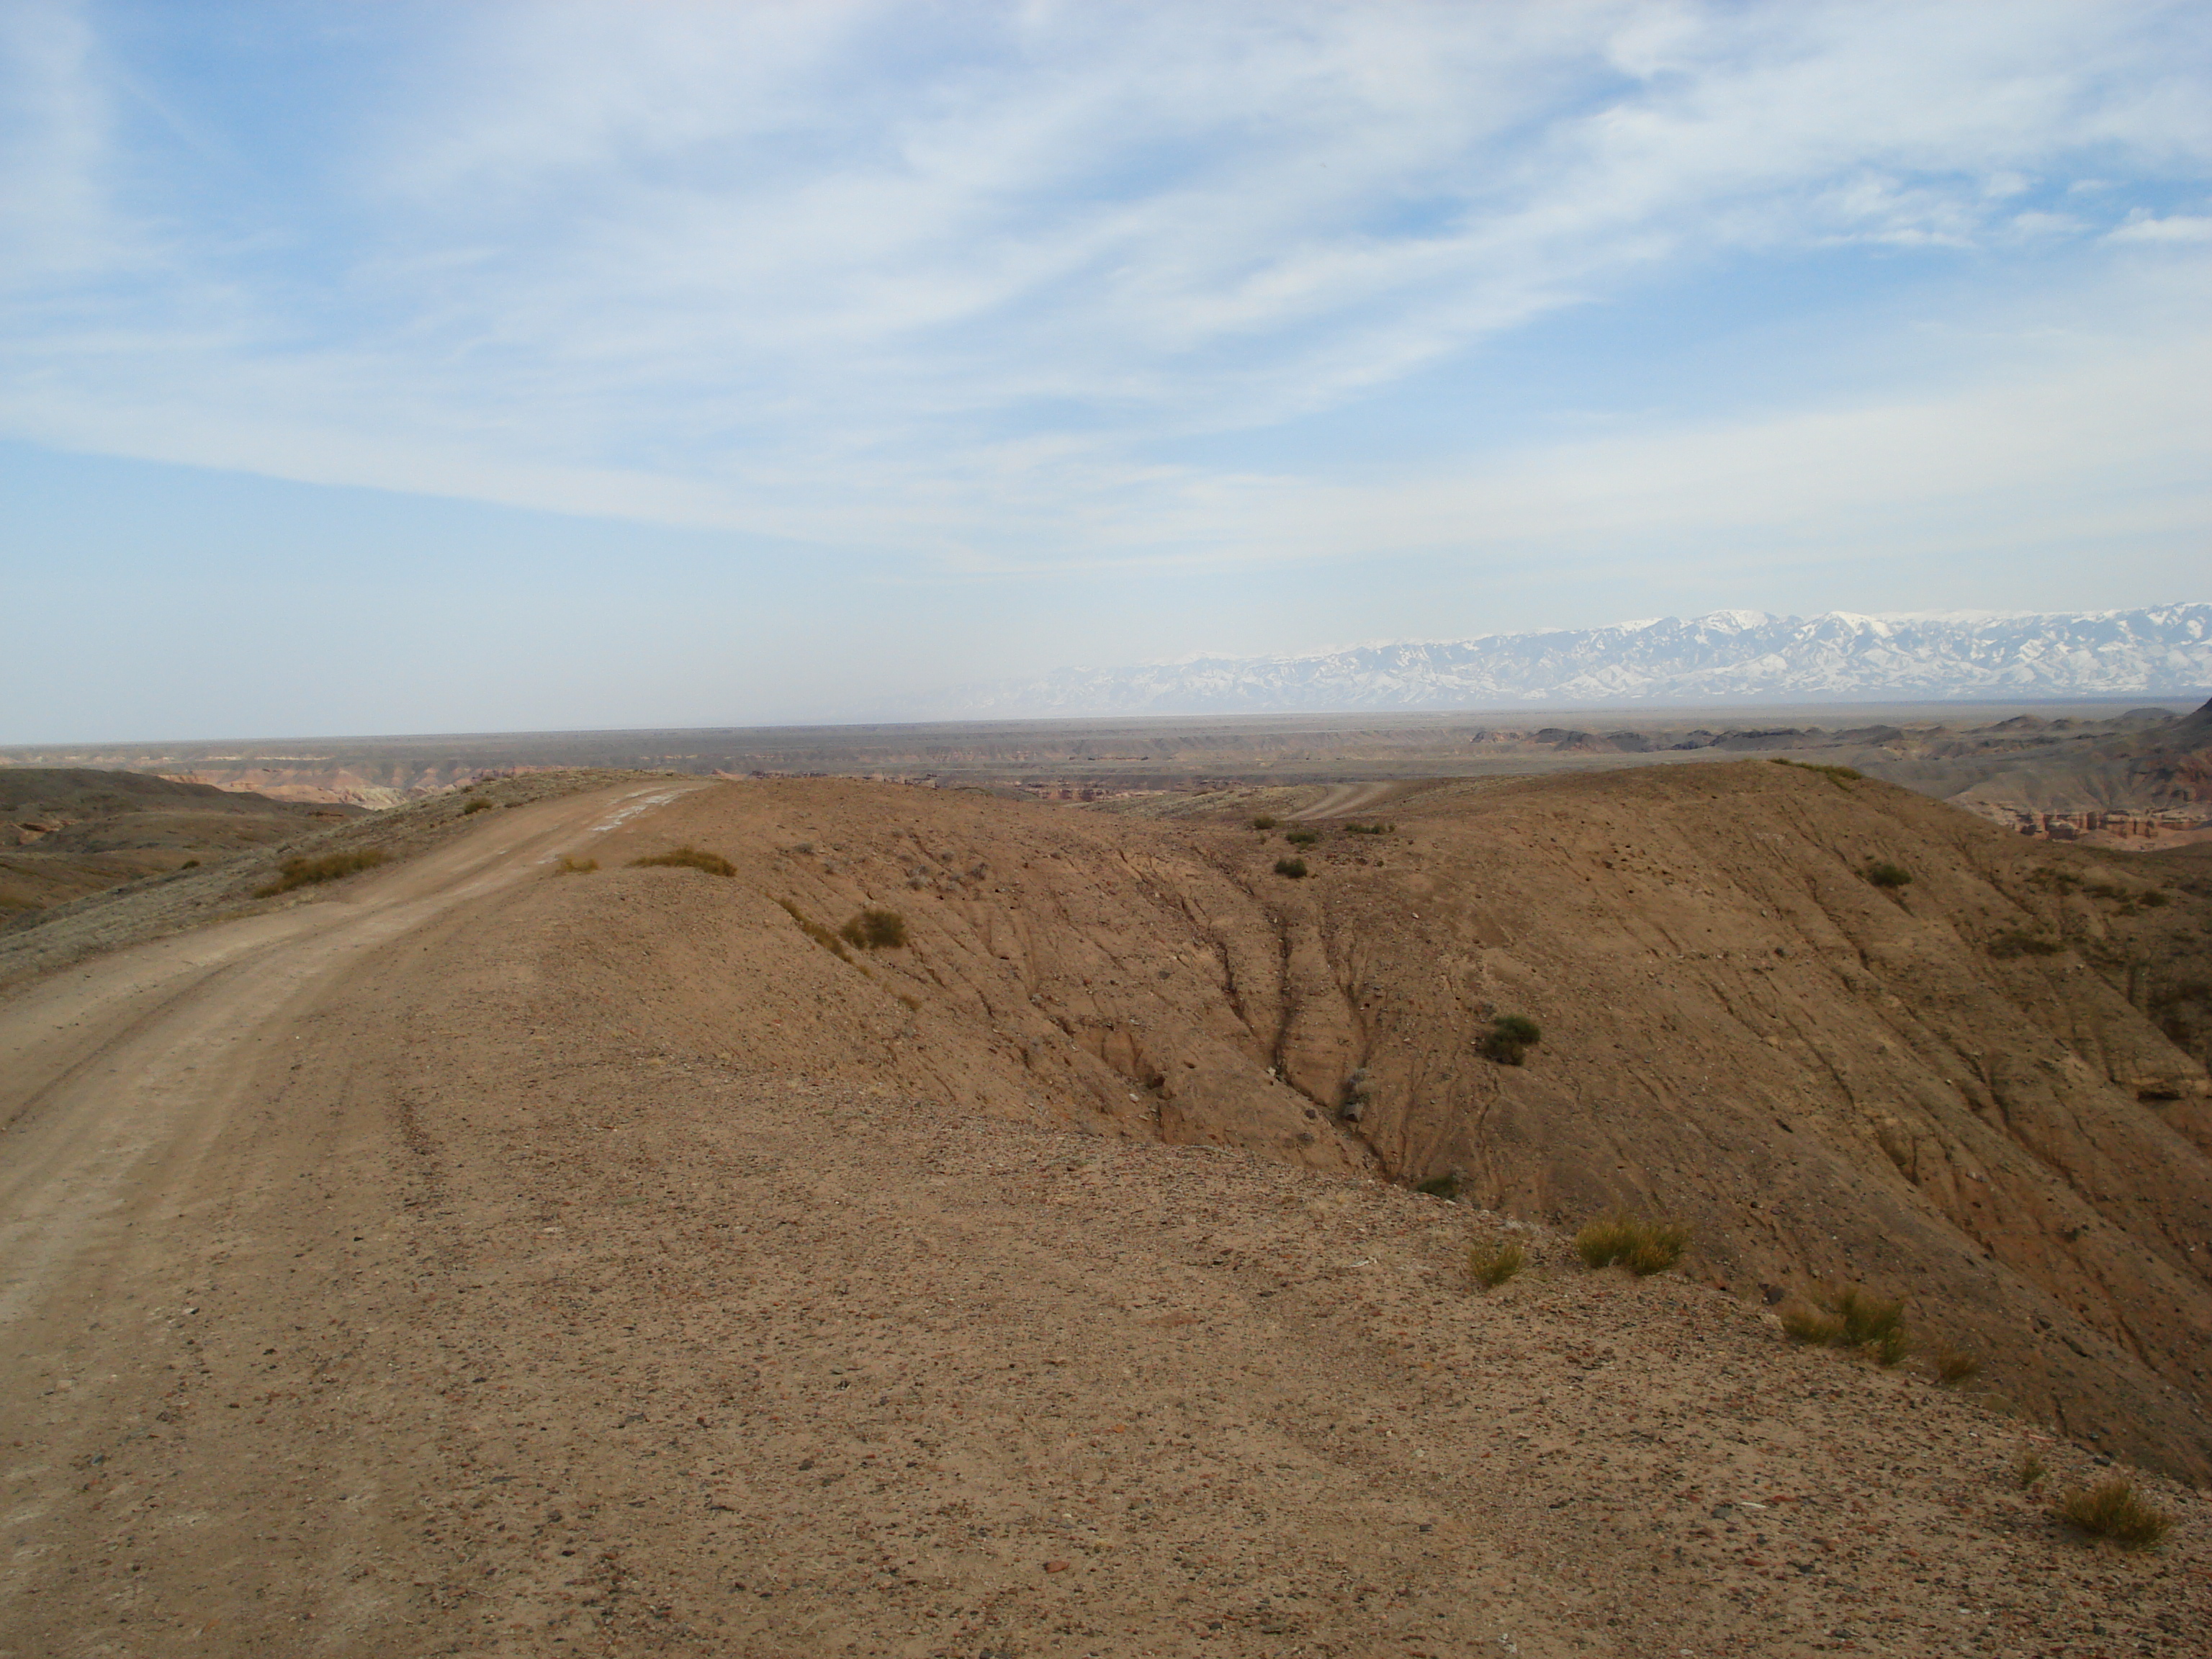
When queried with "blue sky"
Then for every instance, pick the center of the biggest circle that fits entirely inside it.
(393, 367)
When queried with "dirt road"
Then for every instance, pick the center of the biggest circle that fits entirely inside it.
(368, 1285)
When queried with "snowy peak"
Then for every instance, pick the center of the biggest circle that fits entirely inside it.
(1728, 656)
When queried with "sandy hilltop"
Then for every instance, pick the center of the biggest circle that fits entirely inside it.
(921, 1221)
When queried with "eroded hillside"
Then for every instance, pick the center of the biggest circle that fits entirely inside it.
(1942, 1090)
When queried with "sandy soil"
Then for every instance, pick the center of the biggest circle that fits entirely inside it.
(374, 1281)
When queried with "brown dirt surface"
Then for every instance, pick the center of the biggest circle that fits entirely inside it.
(473, 1258)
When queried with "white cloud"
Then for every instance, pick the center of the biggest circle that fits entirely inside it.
(2175, 227)
(946, 280)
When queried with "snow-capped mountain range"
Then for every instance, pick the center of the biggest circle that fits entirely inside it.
(1730, 656)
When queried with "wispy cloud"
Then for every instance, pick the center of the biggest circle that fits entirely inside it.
(967, 283)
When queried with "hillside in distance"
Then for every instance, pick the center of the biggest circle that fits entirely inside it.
(69, 831)
(1729, 656)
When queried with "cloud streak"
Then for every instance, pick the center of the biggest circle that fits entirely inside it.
(977, 285)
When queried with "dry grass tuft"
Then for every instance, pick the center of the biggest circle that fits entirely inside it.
(1491, 1265)
(1953, 1365)
(2031, 1471)
(305, 871)
(2113, 1509)
(1851, 1316)
(687, 857)
(876, 930)
(573, 866)
(815, 931)
(1641, 1245)
(1812, 1326)
(1838, 775)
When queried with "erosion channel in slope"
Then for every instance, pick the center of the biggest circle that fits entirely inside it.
(1942, 1091)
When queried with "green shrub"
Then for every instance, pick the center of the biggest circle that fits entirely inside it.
(1443, 1186)
(307, 872)
(572, 866)
(687, 857)
(1491, 1266)
(1301, 837)
(1293, 868)
(2019, 942)
(2113, 1509)
(1368, 828)
(876, 930)
(1640, 1245)
(1509, 1039)
(479, 804)
(1884, 874)
(1264, 821)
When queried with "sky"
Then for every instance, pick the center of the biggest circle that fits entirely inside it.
(394, 367)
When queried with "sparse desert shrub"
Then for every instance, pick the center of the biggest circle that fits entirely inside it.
(189, 864)
(1838, 775)
(1443, 1186)
(1301, 837)
(912, 1004)
(1509, 1039)
(1358, 1090)
(1953, 1365)
(1812, 1326)
(1491, 1265)
(814, 930)
(1851, 1316)
(1295, 869)
(307, 872)
(876, 930)
(1641, 1245)
(479, 804)
(1882, 873)
(2031, 1470)
(1368, 828)
(2055, 880)
(687, 857)
(2153, 898)
(1264, 821)
(2019, 942)
(574, 866)
(2113, 1509)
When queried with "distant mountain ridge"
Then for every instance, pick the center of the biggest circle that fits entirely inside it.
(1729, 656)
